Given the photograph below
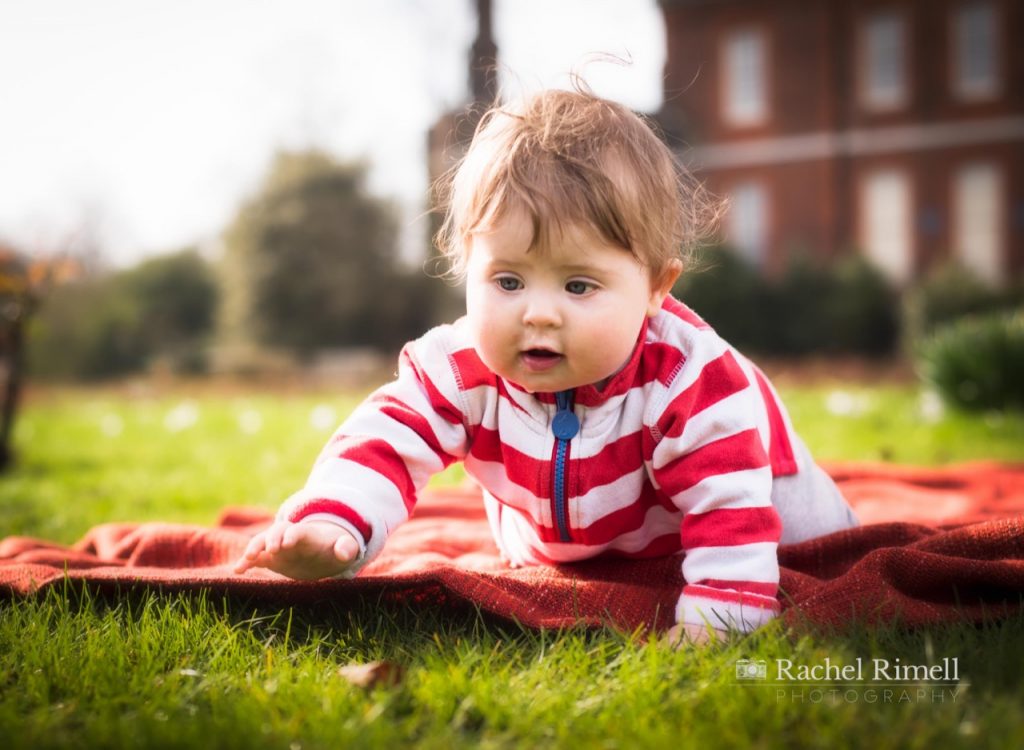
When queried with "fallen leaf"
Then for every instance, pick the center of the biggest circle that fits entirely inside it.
(374, 673)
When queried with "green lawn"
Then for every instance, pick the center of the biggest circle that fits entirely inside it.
(156, 671)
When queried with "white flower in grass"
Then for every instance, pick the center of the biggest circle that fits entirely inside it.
(846, 404)
(994, 418)
(930, 407)
(323, 417)
(250, 421)
(182, 416)
(111, 425)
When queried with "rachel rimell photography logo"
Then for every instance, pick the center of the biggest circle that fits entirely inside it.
(860, 681)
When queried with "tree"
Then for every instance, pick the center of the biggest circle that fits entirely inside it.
(109, 324)
(176, 299)
(310, 262)
(23, 282)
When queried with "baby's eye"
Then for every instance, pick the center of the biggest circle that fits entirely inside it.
(578, 287)
(509, 283)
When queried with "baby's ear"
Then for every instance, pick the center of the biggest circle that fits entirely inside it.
(662, 285)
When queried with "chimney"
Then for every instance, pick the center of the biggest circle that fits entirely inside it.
(483, 58)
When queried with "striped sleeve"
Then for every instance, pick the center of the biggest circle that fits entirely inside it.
(709, 458)
(368, 475)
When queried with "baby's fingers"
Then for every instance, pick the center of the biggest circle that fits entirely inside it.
(346, 549)
(274, 535)
(252, 551)
(292, 535)
(256, 545)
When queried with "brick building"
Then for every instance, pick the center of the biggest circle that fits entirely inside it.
(893, 127)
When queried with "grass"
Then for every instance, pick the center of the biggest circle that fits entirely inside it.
(155, 670)
(901, 424)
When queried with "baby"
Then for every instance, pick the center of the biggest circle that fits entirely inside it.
(600, 415)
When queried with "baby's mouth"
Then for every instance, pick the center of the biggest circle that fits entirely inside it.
(541, 359)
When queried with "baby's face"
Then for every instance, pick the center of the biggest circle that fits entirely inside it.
(555, 319)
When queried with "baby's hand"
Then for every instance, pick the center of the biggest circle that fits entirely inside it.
(307, 551)
(689, 634)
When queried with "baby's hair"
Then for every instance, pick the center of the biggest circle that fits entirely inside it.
(571, 157)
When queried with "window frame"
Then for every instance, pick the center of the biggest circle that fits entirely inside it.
(755, 253)
(902, 270)
(871, 97)
(731, 79)
(963, 89)
(990, 267)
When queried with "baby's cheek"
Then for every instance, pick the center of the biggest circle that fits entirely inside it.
(489, 342)
(614, 341)
(614, 335)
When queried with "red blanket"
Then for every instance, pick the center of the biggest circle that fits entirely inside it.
(937, 545)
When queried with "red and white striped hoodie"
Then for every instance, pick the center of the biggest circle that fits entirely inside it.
(676, 453)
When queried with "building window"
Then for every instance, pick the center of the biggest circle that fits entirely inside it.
(885, 223)
(743, 64)
(747, 223)
(978, 221)
(884, 61)
(975, 45)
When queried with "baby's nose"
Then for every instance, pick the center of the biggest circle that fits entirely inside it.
(541, 310)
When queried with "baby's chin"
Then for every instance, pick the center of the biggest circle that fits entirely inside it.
(534, 382)
(541, 384)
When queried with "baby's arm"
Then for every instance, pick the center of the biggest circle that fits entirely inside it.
(366, 480)
(369, 474)
(711, 460)
(307, 550)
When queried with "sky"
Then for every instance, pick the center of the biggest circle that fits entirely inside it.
(138, 127)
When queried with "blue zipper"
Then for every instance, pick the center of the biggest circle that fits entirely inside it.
(565, 426)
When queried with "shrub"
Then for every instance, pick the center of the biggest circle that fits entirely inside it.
(160, 311)
(85, 330)
(729, 294)
(846, 308)
(951, 292)
(797, 307)
(977, 362)
(862, 309)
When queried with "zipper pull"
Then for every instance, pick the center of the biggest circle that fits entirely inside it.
(566, 424)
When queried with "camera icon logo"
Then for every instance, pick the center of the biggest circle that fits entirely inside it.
(749, 669)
